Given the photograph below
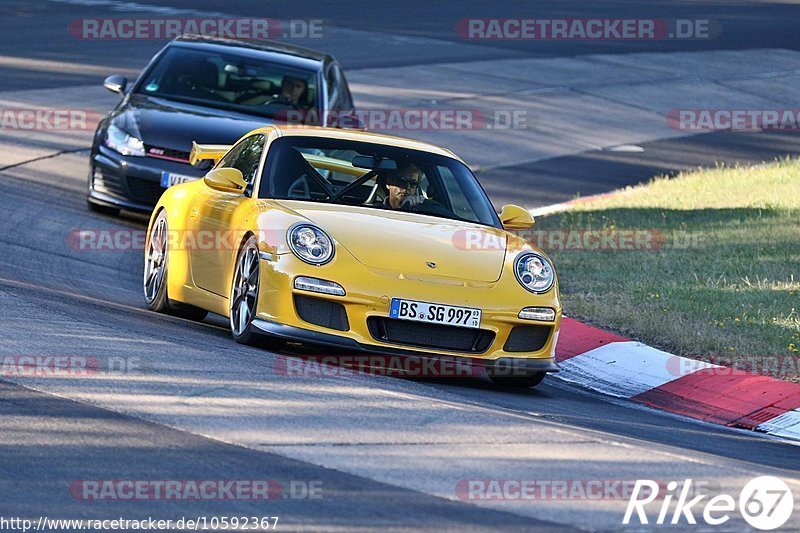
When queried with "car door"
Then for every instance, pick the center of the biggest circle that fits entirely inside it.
(212, 219)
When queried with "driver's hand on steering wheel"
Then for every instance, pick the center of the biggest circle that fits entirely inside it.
(412, 201)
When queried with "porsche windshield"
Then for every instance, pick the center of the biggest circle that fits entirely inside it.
(232, 82)
(372, 175)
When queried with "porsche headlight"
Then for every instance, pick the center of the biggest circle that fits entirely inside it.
(534, 272)
(310, 244)
(118, 140)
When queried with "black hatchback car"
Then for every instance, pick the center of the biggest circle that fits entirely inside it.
(209, 90)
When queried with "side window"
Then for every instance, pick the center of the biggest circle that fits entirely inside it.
(459, 203)
(332, 88)
(245, 157)
(231, 156)
(345, 101)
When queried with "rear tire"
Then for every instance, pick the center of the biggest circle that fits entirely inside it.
(156, 264)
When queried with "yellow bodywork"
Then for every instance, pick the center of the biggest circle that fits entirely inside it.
(379, 255)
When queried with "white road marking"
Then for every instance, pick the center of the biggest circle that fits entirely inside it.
(625, 369)
(786, 425)
(110, 339)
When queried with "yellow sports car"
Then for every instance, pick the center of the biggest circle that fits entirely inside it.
(356, 241)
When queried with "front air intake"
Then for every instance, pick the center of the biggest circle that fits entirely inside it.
(321, 312)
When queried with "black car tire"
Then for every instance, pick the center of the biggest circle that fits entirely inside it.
(156, 294)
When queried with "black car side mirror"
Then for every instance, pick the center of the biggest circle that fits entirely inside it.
(116, 84)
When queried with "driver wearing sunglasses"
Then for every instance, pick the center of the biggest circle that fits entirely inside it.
(402, 186)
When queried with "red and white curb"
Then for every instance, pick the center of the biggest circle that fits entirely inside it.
(623, 368)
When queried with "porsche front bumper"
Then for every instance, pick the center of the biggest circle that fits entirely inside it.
(359, 321)
(296, 334)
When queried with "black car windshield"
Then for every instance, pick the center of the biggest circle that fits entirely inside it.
(231, 82)
(317, 169)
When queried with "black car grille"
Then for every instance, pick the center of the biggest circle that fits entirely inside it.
(167, 153)
(527, 338)
(144, 191)
(434, 336)
(108, 183)
(321, 312)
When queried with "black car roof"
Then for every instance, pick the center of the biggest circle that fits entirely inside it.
(303, 55)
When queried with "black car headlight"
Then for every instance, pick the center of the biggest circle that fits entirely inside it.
(120, 141)
(534, 272)
(310, 244)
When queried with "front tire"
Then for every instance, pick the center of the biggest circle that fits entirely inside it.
(244, 294)
(156, 264)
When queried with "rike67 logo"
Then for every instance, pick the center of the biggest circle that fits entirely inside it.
(765, 503)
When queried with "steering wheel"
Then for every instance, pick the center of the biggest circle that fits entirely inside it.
(281, 101)
(431, 207)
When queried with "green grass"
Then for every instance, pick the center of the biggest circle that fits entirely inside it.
(730, 293)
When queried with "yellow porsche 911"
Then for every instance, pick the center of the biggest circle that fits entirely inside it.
(356, 241)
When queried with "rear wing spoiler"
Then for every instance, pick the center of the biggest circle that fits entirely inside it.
(207, 152)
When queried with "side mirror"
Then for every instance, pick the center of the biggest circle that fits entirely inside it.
(226, 179)
(514, 217)
(116, 84)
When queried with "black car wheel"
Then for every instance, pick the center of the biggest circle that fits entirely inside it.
(156, 264)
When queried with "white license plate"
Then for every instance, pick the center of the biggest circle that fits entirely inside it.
(168, 179)
(465, 317)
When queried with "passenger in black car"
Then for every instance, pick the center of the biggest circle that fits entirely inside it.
(292, 91)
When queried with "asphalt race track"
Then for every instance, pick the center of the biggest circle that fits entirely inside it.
(182, 401)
